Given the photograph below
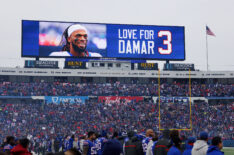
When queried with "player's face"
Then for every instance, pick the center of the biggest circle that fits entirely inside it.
(150, 133)
(79, 39)
(220, 146)
(93, 137)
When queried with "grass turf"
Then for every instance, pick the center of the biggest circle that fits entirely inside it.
(228, 150)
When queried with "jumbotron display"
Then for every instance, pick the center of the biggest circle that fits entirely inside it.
(79, 40)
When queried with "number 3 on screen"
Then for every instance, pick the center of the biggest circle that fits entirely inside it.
(165, 42)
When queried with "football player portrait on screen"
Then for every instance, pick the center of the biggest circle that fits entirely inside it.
(76, 42)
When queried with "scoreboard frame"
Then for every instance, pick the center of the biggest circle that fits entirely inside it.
(120, 58)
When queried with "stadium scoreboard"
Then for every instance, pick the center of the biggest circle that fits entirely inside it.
(121, 41)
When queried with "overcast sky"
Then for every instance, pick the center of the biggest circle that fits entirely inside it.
(193, 14)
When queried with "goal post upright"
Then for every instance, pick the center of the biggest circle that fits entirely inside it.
(159, 115)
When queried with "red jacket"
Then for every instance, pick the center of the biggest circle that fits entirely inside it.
(20, 150)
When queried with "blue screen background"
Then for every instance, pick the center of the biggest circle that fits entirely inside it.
(31, 47)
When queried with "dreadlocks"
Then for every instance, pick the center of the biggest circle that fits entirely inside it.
(65, 47)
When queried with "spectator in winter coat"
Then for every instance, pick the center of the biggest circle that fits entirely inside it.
(176, 147)
(162, 146)
(133, 146)
(200, 146)
(216, 146)
(189, 146)
(10, 143)
(112, 147)
(21, 148)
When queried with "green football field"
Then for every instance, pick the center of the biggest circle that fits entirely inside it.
(228, 150)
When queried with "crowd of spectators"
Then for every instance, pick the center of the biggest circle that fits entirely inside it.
(217, 118)
(42, 120)
(150, 143)
(175, 115)
(116, 89)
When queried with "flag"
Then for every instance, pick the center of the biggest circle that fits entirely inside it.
(209, 32)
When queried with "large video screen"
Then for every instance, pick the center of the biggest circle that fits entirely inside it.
(89, 40)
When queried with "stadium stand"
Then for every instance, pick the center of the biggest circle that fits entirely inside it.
(26, 113)
(8, 88)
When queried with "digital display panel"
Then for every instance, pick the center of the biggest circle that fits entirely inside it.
(89, 40)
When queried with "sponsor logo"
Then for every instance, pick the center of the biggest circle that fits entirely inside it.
(55, 99)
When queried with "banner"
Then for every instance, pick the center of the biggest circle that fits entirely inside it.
(178, 67)
(119, 99)
(75, 65)
(40, 64)
(79, 40)
(147, 66)
(174, 99)
(46, 64)
(66, 99)
(115, 73)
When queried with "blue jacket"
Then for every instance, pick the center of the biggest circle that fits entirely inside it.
(214, 150)
(188, 150)
(174, 151)
(70, 143)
